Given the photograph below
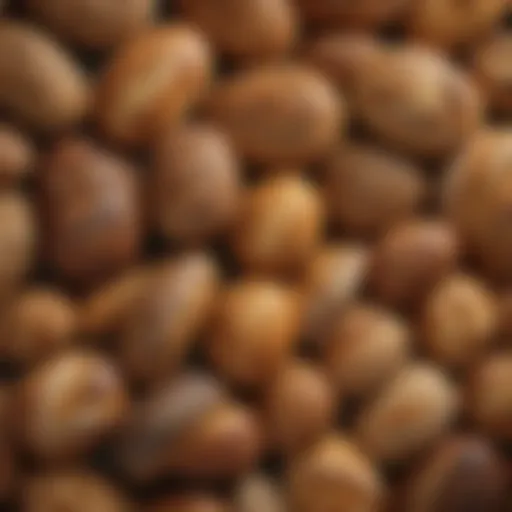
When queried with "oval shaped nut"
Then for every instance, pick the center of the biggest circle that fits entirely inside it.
(418, 102)
(189, 502)
(195, 185)
(152, 82)
(259, 492)
(69, 404)
(92, 211)
(366, 348)
(411, 259)
(333, 475)
(93, 24)
(463, 473)
(40, 83)
(367, 190)
(286, 114)
(246, 29)
(279, 227)
(408, 414)
(17, 156)
(174, 307)
(254, 331)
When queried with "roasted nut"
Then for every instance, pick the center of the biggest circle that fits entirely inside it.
(152, 82)
(197, 502)
(16, 156)
(258, 492)
(195, 186)
(279, 227)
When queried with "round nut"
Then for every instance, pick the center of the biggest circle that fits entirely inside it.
(258, 492)
(16, 156)
(196, 502)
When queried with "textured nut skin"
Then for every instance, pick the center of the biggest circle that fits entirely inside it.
(367, 347)
(258, 492)
(196, 184)
(151, 83)
(40, 83)
(245, 28)
(283, 114)
(92, 210)
(196, 502)
(280, 226)
(17, 156)
(93, 24)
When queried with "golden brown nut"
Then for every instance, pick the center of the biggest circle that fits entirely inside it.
(245, 28)
(93, 24)
(69, 404)
(279, 227)
(286, 114)
(408, 414)
(254, 332)
(195, 186)
(16, 156)
(333, 475)
(92, 211)
(152, 82)
(39, 82)
(367, 190)
(258, 492)
(190, 502)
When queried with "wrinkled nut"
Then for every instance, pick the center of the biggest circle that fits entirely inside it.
(280, 226)
(92, 211)
(411, 259)
(196, 502)
(40, 83)
(459, 320)
(408, 414)
(152, 82)
(463, 473)
(368, 190)
(93, 24)
(366, 348)
(285, 114)
(333, 475)
(258, 492)
(16, 156)
(298, 408)
(69, 404)
(245, 28)
(195, 185)
(254, 331)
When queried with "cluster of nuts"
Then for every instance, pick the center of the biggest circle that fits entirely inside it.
(255, 255)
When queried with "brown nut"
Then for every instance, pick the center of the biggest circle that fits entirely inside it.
(411, 259)
(245, 28)
(279, 227)
(69, 404)
(40, 83)
(409, 413)
(152, 82)
(367, 190)
(286, 114)
(16, 156)
(463, 473)
(93, 24)
(92, 211)
(258, 492)
(367, 347)
(9, 470)
(195, 186)
(196, 502)
(254, 332)
(333, 475)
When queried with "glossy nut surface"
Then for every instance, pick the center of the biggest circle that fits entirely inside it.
(17, 156)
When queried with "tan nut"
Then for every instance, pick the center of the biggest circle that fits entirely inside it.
(259, 492)
(17, 156)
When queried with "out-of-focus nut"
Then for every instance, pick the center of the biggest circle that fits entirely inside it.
(258, 492)
(9, 470)
(16, 156)
(196, 502)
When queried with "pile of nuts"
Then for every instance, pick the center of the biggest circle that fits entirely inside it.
(256, 255)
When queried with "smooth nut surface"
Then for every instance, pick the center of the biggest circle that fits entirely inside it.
(17, 156)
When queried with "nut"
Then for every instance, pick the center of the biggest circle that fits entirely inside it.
(17, 156)
(258, 492)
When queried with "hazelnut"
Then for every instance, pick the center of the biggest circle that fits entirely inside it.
(16, 156)
(258, 492)
(196, 502)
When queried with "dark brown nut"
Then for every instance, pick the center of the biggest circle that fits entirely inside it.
(299, 407)
(254, 332)
(505, 314)
(152, 82)
(416, 101)
(73, 491)
(40, 83)
(166, 317)
(459, 320)
(411, 259)
(69, 404)
(16, 156)
(245, 28)
(286, 114)
(196, 502)
(92, 211)
(93, 24)
(258, 492)
(334, 475)
(367, 347)
(463, 473)
(195, 186)
(367, 190)
(280, 226)
(409, 413)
